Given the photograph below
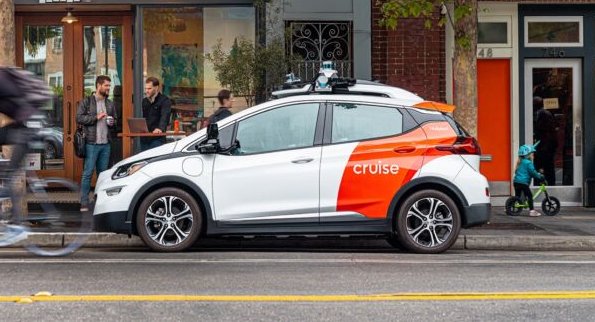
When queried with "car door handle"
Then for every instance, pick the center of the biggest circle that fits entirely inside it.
(405, 149)
(302, 161)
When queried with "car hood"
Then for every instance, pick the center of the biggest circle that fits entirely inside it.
(155, 152)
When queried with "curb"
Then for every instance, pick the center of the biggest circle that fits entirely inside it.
(537, 243)
(464, 242)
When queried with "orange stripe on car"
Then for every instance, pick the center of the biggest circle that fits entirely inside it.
(436, 106)
(370, 181)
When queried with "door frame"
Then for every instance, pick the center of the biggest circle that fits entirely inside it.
(576, 64)
(73, 74)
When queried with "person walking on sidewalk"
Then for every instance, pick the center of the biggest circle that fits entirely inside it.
(524, 172)
(97, 115)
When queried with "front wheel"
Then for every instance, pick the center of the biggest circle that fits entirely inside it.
(428, 222)
(512, 206)
(550, 206)
(169, 220)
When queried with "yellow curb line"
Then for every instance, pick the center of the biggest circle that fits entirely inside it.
(559, 295)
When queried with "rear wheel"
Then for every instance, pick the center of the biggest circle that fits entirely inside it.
(512, 206)
(65, 226)
(169, 220)
(550, 206)
(428, 222)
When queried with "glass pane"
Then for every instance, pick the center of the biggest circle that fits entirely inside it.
(354, 122)
(492, 33)
(102, 55)
(173, 50)
(174, 45)
(285, 128)
(552, 124)
(554, 32)
(43, 56)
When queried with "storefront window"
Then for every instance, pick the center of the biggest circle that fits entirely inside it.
(175, 41)
(553, 124)
(492, 33)
(43, 56)
(553, 31)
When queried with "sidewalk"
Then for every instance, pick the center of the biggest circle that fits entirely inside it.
(571, 230)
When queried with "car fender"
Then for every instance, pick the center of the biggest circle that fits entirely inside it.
(170, 181)
(427, 182)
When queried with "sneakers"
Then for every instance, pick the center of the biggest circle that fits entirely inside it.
(534, 213)
(13, 234)
(84, 208)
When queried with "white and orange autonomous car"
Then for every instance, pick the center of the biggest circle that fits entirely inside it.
(360, 159)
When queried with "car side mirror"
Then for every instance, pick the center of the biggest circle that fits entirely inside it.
(211, 145)
(212, 131)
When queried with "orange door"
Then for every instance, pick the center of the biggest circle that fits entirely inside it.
(493, 120)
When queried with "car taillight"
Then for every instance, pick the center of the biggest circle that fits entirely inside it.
(463, 145)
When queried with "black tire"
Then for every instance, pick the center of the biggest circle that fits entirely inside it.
(393, 240)
(511, 210)
(425, 231)
(551, 207)
(171, 230)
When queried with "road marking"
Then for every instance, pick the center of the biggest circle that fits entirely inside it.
(499, 296)
(440, 261)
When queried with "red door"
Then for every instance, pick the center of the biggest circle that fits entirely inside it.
(493, 127)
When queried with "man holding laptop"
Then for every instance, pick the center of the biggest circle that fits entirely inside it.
(156, 111)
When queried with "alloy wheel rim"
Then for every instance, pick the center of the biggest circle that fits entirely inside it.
(169, 221)
(429, 222)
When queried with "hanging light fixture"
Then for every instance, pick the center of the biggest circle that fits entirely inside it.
(69, 18)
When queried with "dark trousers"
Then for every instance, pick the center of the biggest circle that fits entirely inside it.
(520, 188)
(546, 160)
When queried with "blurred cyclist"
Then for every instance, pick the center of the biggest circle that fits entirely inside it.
(21, 95)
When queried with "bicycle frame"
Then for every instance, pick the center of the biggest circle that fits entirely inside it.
(539, 191)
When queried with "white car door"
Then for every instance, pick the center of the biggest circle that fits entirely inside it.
(273, 176)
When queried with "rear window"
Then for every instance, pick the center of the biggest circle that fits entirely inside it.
(423, 117)
(456, 126)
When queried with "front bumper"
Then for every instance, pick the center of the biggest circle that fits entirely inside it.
(113, 222)
(477, 214)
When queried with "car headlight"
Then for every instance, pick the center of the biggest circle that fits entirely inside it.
(128, 169)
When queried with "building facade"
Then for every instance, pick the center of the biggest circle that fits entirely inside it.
(128, 41)
(535, 83)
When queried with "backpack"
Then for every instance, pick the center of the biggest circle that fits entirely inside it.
(80, 138)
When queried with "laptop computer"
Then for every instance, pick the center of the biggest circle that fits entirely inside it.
(137, 125)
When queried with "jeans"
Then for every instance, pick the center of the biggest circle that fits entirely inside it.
(149, 144)
(97, 156)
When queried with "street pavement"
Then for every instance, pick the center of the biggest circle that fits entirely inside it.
(336, 284)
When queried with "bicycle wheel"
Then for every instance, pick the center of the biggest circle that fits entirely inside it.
(550, 206)
(63, 226)
(511, 206)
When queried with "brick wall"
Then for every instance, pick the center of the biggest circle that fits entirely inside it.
(411, 57)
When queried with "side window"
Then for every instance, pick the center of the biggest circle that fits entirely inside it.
(225, 136)
(288, 127)
(356, 122)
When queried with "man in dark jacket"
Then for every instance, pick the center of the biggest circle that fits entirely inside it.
(156, 110)
(97, 115)
(226, 100)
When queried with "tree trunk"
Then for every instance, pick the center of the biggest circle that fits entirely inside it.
(7, 58)
(7, 32)
(465, 68)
